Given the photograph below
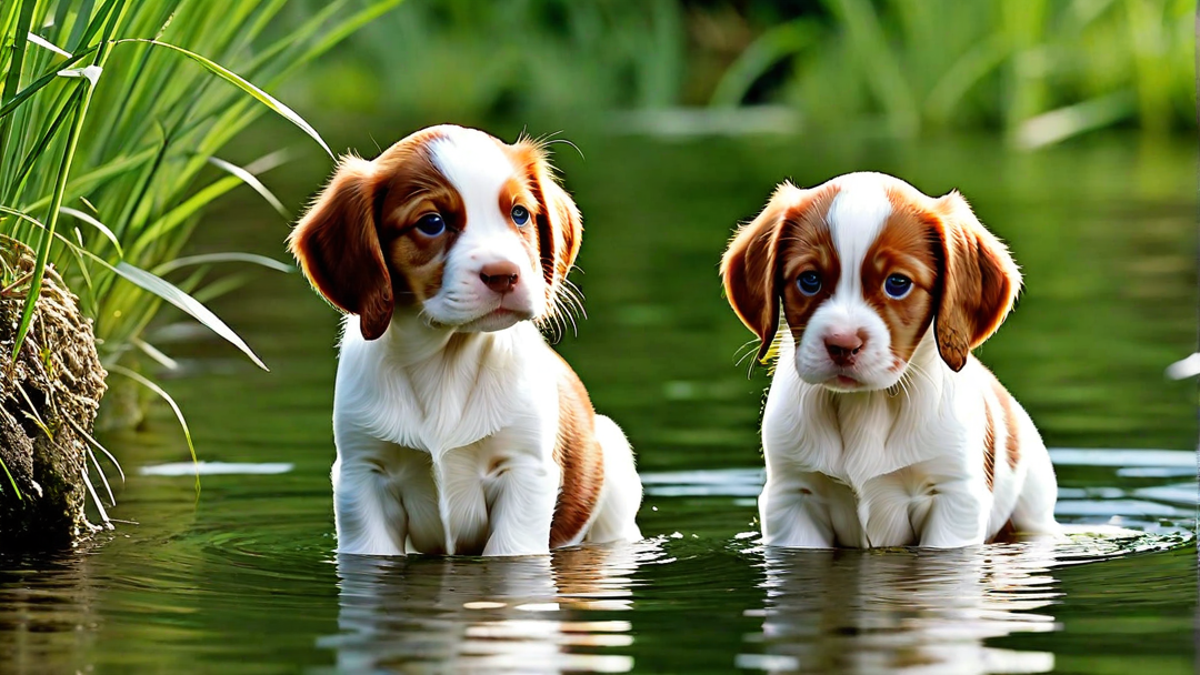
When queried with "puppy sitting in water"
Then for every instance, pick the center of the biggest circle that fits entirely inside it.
(458, 429)
(881, 428)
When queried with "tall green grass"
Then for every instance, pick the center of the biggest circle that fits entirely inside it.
(1040, 70)
(1037, 70)
(113, 117)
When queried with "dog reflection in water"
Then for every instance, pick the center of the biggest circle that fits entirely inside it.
(904, 611)
(511, 614)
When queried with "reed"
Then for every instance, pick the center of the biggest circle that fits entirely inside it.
(113, 117)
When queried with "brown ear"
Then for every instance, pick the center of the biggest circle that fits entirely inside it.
(749, 268)
(337, 245)
(980, 282)
(560, 227)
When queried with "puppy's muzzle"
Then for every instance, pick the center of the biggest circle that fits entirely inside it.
(500, 277)
(843, 348)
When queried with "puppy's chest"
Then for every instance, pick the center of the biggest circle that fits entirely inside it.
(436, 410)
(869, 439)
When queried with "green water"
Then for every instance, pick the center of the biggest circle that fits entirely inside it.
(243, 579)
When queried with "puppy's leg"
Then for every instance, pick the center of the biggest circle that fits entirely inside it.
(958, 515)
(521, 505)
(621, 494)
(1034, 512)
(370, 521)
(793, 515)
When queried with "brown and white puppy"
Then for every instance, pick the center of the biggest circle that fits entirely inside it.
(458, 429)
(881, 428)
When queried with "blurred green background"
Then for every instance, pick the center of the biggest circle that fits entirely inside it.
(1034, 71)
(1069, 125)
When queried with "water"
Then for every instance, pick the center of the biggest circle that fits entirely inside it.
(243, 577)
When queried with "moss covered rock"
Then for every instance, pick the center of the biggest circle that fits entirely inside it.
(49, 396)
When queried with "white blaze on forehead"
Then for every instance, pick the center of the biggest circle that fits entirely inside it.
(476, 166)
(855, 219)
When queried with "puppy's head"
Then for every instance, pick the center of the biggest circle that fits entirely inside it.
(473, 233)
(864, 266)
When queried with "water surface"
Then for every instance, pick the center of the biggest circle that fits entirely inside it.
(243, 578)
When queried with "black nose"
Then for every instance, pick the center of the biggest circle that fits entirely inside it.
(501, 277)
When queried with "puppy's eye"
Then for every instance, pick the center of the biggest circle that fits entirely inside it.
(897, 286)
(809, 282)
(520, 215)
(431, 225)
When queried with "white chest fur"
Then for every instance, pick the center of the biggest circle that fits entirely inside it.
(870, 462)
(426, 435)
(450, 393)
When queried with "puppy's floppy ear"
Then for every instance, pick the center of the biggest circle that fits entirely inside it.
(337, 246)
(980, 281)
(750, 270)
(560, 227)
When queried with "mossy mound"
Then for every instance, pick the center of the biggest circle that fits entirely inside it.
(48, 401)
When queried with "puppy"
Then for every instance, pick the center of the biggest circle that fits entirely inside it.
(458, 429)
(880, 427)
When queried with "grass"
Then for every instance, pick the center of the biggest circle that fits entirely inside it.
(113, 114)
(1039, 71)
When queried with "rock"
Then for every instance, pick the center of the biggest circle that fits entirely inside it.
(49, 396)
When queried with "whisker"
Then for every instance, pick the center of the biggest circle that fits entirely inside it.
(550, 141)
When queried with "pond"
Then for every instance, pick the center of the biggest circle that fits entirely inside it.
(243, 578)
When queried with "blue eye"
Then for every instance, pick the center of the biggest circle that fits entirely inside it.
(431, 224)
(520, 215)
(897, 286)
(809, 282)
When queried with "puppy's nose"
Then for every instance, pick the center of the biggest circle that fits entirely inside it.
(499, 276)
(844, 347)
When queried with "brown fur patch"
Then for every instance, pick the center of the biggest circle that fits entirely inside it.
(580, 457)
(989, 444)
(357, 244)
(413, 188)
(1012, 441)
(1006, 535)
(559, 227)
(337, 246)
(904, 246)
(766, 256)
(979, 281)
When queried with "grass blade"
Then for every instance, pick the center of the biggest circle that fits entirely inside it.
(37, 85)
(15, 62)
(11, 480)
(206, 258)
(1057, 125)
(187, 433)
(96, 498)
(241, 83)
(159, 287)
(172, 294)
(253, 181)
(46, 240)
(771, 47)
(155, 353)
(48, 45)
(101, 227)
